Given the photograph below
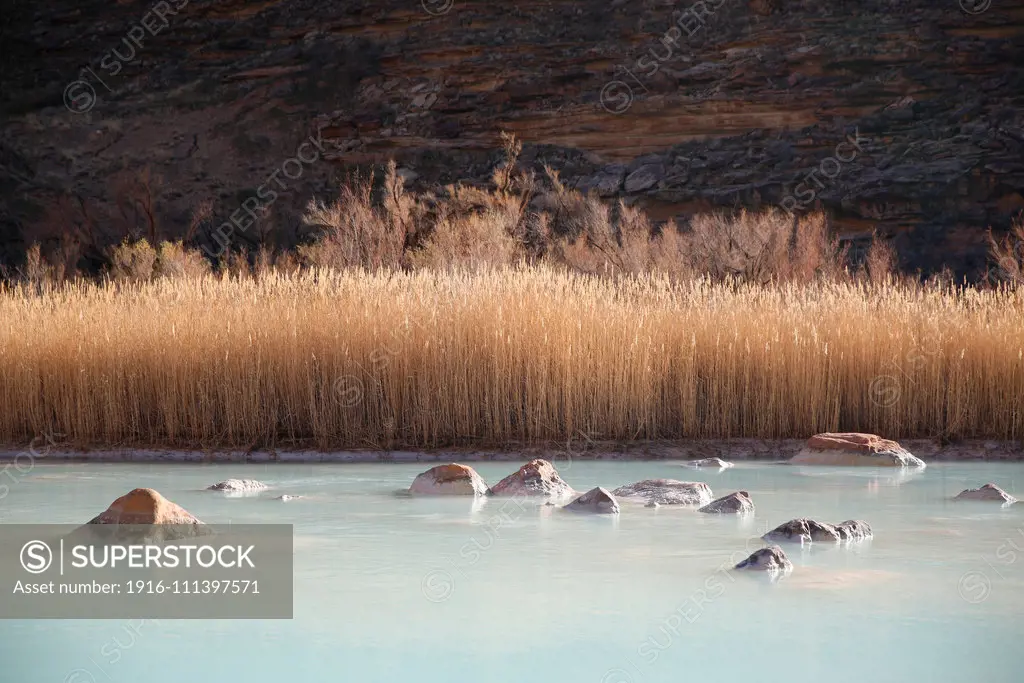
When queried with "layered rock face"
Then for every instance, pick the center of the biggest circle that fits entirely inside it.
(902, 116)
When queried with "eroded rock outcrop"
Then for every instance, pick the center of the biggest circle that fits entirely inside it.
(598, 500)
(734, 503)
(854, 449)
(450, 479)
(988, 492)
(535, 478)
(667, 492)
(771, 559)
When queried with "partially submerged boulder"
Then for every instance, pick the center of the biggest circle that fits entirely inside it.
(709, 464)
(239, 486)
(854, 449)
(854, 530)
(989, 492)
(144, 506)
(771, 559)
(667, 492)
(734, 503)
(452, 479)
(143, 515)
(803, 531)
(286, 497)
(595, 500)
(535, 478)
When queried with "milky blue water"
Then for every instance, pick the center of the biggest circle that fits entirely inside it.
(447, 590)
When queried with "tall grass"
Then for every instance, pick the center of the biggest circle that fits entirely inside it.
(528, 355)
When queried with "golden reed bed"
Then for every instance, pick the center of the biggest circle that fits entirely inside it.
(528, 356)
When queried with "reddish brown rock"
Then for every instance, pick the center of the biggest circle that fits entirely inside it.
(854, 449)
(450, 479)
(535, 478)
(144, 506)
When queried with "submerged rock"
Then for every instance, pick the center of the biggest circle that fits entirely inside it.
(734, 503)
(285, 497)
(709, 463)
(771, 559)
(854, 530)
(667, 492)
(451, 479)
(239, 486)
(535, 478)
(987, 492)
(803, 531)
(854, 449)
(595, 500)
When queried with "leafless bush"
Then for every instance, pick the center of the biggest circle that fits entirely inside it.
(1007, 254)
(132, 261)
(355, 232)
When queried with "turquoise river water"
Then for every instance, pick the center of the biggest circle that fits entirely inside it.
(452, 590)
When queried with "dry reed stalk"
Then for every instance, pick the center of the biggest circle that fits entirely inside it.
(530, 355)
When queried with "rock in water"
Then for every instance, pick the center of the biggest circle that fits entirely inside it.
(450, 480)
(535, 478)
(667, 492)
(854, 530)
(987, 492)
(770, 559)
(239, 486)
(803, 531)
(709, 463)
(854, 449)
(595, 500)
(143, 516)
(734, 503)
(144, 506)
(285, 497)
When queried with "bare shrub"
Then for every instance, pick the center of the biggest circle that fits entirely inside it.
(1007, 254)
(132, 261)
(469, 242)
(174, 260)
(880, 261)
(354, 232)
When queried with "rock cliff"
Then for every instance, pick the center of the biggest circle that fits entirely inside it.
(898, 115)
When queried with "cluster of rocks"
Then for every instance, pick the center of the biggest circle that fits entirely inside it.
(539, 478)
